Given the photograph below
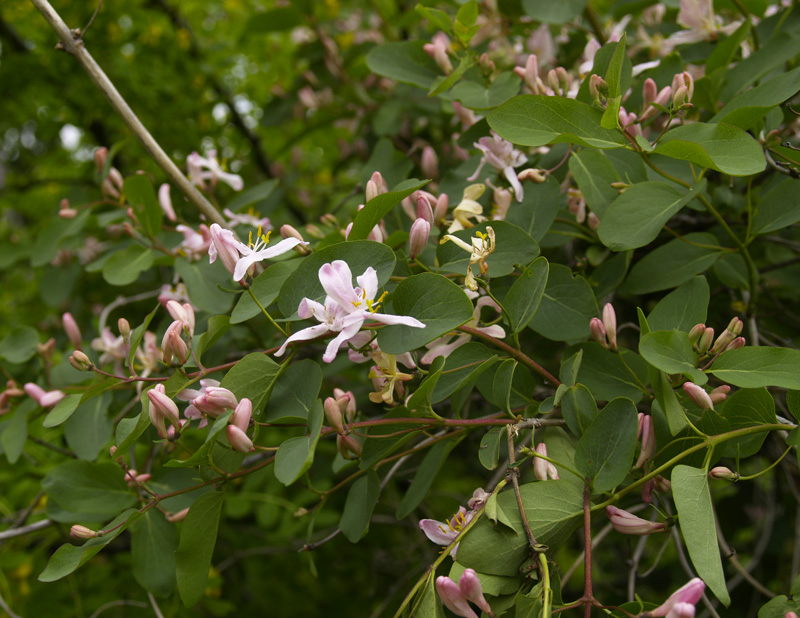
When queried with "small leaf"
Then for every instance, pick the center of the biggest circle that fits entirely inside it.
(610, 119)
(62, 411)
(19, 345)
(501, 386)
(567, 306)
(296, 455)
(696, 517)
(124, 268)
(15, 433)
(196, 547)
(489, 451)
(140, 194)
(361, 500)
(522, 300)
(404, 62)
(671, 352)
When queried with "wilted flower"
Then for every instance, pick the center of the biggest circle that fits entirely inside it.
(481, 247)
(345, 310)
(112, 348)
(446, 345)
(387, 379)
(628, 523)
(503, 157)
(468, 208)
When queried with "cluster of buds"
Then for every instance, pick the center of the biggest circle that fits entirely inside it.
(112, 183)
(421, 228)
(543, 469)
(12, 390)
(576, 204)
(604, 331)
(702, 336)
(439, 206)
(704, 400)
(80, 361)
(173, 345)
(682, 91)
(163, 409)
(212, 400)
(134, 479)
(339, 411)
(456, 597)
(658, 483)
(647, 436)
(653, 99)
(628, 523)
(239, 422)
(44, 398)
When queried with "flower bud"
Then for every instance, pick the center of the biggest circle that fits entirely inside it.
(681, 603)
(452, 597)
(72, 331)
(82, 532)
(649, 91)
(440, 209)
(679, 97)
(239, 440)
(719, 394)
(628, 523)
(162, 409)
(242, 414)
(736, 326)
(173, 346)
(610, 325)
(100, 158)
(598, 89)
(592, 221)
(790, 615)
(705, 340)
(333, 413)
(698, 395)
(737, 343)
(471, 588)
(348, 446)
(224, 245)
(376, 185)
(165, 201)
(288, 231)
(183, 313)
(42, 397)
(647, 435)
(721, 472)
(424, 209)
(215, 401)
(124, 329)
(535, 175)
(429, 162)
(350, 406)
(179, 516)
(80, 361)
(543, 469)
(418, 237)
(696, 332)
(598, 332)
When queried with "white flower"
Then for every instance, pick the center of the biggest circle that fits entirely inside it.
(482, 246)
(345, 310)
(202, 169)
(225, 245)
(503, 157)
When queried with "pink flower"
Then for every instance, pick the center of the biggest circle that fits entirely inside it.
(42, 397)
(543, 469)
(247, 218)
(447, 531)
(173, 345)
(681, 603)
(503, 157)
(444, 346)
(72, 330)
(224, 244)
(202, 169)
(194, 244)
(165, 201)
(628, 523)
(345, 310)
(112, 348)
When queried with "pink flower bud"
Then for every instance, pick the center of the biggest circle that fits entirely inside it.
(705, 340)
(82, 532)
(437, 50)
(543, 469)
(239, 440)
(592, 221)
(333, 414)
(429, 162)
(440, 209)
(42, 397)
(124, 329)
(647, 435)
(100, 157)
(173, 346)
(215, 401)
(790, 615)
(348, 446)
(610, 325)
(471, 588)
(376, 186)
(628, 523)
(424, 209)
(162, 409)
(688, 594)
(598, 332)
(721, 472)
(418, 237)
(165, 201)
(698, 395)
(68, 213)
(242, 414)
(696, 332)
(183, 313)
(80, 361)
(719, 394)
(72, 330)
(649, 91)
(453, 598)
(598, 88)
(535, 175)
(287, 231)
(179, 516)
(224, 245)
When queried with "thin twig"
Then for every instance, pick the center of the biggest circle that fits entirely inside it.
(513, 473)
(23, 530)
(119, 603)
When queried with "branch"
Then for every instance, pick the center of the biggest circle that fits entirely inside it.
(76, 47)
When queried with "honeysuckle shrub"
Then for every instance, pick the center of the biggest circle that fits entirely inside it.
(527, 343)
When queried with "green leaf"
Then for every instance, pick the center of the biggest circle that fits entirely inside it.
(361, 501)
(444, 84)
(606, 376)
(671, 352)
(748, 407)
(15, 433)
(419, 404)
(578, 408)
(359, 255)
(724, 52)
(468, 13)
(537, 120)
(538, 209)
(379, 206)
(140, 194)
(570, 366)
(755, 367)
(682, 308)
(605, 450)
(610, 119)
(89, 428)
(672, 264)
(463, 366)
(567, 306)
(266, 288)
(522, 300)
(696, 517)
(436, 17)
(779, 606)
(252, 377)
(124, 268)
(138, 334)
(666, 398)
(778, 208)
(746, 109)
(636, 217)
(501, 386)
(84, 487)
(295, 392)
(196, 547)
(432, 299)
(423, 479)
(489, 451)
(257, 193)
(554, 510)
(62, 411)
(218, 325)
(296, 455)
(202, 282)
(19, 345)
(721, 147)
(594, 173)
(553, 12)
(478, 97)
(153, 544)
(404, 62)
(68, 557)
(129, 429)
(429, 605)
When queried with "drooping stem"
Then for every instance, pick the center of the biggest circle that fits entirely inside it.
(73, 44)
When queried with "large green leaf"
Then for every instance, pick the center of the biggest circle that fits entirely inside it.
(696, 516)
(721, 147)
(89, 428)
(672, 264)
(140, 194)
(435, 301)
(475, 96)
(359, 255)
(196, 547)
(746, 109)
(153, 544)
(522, 300)
(124, 267)
(671, 352)
(203, 281)
(537, 120)
(747, 407)
(754, 367)
(567, 306)
(84, 487)
(594, 174)
(462, 366)
(296, 455)
(361, 500)
(606, 376)
(778, 208)
(605, 450)
(252, 377)
(404, 62)
(636, 217)
(378, 207)
(295, 392)
(682, 308)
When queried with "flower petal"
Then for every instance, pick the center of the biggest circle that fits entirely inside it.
(337, 281)
(369, 282)
(312, 332)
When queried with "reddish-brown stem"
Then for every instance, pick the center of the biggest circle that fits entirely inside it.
(515, 354)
